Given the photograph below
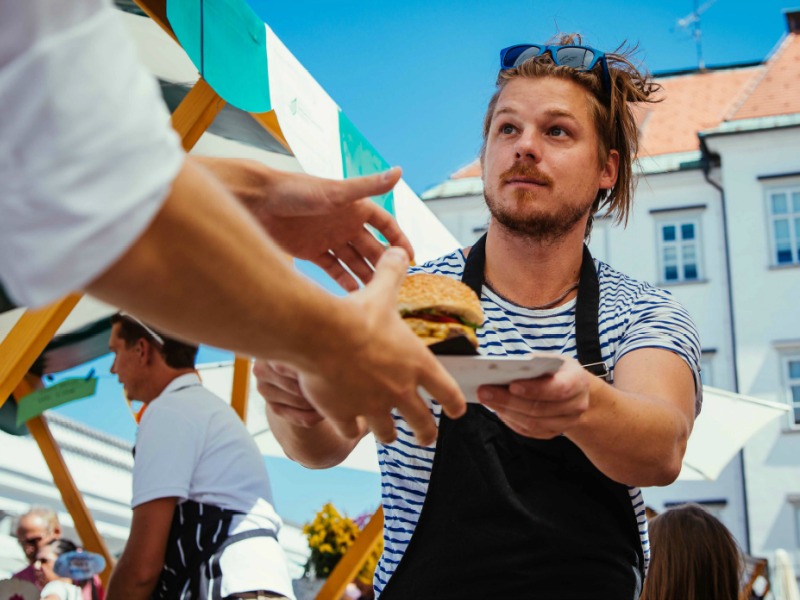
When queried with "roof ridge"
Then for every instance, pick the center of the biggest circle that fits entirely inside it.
(749, 90)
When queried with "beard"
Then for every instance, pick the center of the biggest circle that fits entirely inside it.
(523, 215)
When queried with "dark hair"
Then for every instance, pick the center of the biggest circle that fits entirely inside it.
(62, 546)
(613, 116)
(177, 355)
(693, 556)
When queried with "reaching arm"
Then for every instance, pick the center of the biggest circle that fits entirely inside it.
(204, 270)
(139, 567)
(635, 431)
(316, 219)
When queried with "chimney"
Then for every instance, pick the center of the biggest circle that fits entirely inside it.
(792, 19)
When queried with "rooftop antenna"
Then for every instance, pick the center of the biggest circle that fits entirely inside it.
(693, 20)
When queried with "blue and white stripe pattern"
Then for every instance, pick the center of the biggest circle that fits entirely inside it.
(633, 315)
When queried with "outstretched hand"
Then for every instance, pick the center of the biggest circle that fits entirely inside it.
(544, 407)
(379, 365)
(320, 220)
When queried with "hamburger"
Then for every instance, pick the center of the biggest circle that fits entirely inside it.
(438, 308)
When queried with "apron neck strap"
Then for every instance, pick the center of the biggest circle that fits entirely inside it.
(586, 310)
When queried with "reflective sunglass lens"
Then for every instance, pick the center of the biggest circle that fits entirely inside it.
(522, 53)
(577, 58)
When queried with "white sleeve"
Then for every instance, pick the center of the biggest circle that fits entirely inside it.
(56, 588)
(168, 449)
(87, 154)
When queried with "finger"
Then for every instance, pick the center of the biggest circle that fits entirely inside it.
(382, 427)
(389, 274)
(347, 428)
(354, 261)
(418, 416)
(284, 369)
(334, 269)
(305, 417)
(349, 190)
(289, 385)
(389, 228)
(368, 246)
(443, 388)
(542, 430)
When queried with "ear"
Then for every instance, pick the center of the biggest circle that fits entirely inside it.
(609, 171)
(142, 349)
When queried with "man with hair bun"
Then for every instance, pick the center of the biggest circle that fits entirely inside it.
(534, 493)
(203, 522)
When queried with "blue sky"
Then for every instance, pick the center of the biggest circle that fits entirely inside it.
(415, 76)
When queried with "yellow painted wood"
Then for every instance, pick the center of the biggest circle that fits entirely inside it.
(28, 338)
(70, 494)
(269, 121)
(356, 556)
(196, 112)
(241, 386)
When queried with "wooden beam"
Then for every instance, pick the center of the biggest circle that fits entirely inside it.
(241, 386)
(196, 112)
(157, 10)
(28, 339)
(269, 121)
(70, 494)
(350, 564)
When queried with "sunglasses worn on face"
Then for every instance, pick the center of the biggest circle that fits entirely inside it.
(580, 58)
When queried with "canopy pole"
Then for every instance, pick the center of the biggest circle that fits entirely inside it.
(28, 339)
(196, 112)
(350, 564)
(241, 386)
(70, 494)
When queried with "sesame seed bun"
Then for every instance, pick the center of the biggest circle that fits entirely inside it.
(424, 291)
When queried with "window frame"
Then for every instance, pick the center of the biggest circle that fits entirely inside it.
(678, 220)
(789, 188)
(788, 383)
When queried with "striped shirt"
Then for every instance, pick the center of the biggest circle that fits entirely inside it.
(633, 315)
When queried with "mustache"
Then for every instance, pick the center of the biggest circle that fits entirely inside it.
(527, 172)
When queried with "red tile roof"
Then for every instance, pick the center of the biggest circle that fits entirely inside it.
(703, 100)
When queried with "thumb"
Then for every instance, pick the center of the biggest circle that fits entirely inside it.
(356, 188)
(389, 272)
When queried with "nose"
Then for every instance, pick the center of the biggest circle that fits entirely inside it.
(527, 147)
(113, 368)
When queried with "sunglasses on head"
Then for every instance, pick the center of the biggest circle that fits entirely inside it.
(580, 58)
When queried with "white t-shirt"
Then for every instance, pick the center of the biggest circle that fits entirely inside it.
(87, 155)
(192, 445)
(62, 590)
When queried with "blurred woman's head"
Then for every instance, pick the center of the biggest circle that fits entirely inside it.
(693, 556)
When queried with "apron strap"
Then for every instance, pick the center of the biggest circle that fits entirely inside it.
(587, 306)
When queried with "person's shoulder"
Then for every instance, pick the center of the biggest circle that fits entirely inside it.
(451, 265)
(621, 288)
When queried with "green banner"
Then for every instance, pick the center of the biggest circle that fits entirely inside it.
(227, 42)
(359, 157)
(64, 391)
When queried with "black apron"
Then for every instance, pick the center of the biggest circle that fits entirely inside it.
(510, 517)
(197, 537)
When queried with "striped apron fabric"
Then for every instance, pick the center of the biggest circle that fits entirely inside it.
(198, 536)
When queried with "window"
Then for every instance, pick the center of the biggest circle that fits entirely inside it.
(679, 250)
(791, 374)
(784, 211)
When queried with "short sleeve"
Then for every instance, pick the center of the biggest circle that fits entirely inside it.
(87, 154)
(657, 320)
(168, 448)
